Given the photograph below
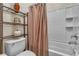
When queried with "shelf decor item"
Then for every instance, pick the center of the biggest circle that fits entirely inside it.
(16, 31)
(16, 7)
(17, 20)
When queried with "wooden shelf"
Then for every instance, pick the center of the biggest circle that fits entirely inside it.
(14, 23)
(70, 19)
(12, 36)
(8, 9)
(69, 28)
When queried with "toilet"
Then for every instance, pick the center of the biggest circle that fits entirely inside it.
(15, 47)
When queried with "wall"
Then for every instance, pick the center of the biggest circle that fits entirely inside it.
(55, 6)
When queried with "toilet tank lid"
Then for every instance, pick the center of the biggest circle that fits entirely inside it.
(14, 40)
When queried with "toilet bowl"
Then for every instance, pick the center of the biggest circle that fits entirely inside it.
(26, 53)
(15, 47)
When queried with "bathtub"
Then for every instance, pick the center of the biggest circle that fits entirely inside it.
(59, 49)
(56, 53)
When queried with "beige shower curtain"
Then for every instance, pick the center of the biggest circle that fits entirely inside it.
(37, 29)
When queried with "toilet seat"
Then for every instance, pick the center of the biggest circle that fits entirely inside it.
(26, 53)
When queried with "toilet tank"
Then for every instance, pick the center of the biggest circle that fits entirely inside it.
(14, 47)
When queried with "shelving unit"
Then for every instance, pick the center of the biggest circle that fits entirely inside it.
(11, 11)
(69, 29)
(70, 24)
(69, 19)
(10, 23)
(11, 36)
(21, 14)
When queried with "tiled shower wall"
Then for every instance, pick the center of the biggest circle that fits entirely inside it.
(58, 37)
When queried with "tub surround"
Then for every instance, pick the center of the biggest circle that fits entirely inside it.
(63, 28)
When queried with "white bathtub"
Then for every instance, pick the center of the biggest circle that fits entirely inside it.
(60, 49)
(56, 53)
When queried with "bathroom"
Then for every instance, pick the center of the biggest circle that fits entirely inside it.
(60, 35)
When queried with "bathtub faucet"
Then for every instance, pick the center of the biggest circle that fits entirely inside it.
(75, 52)
(75, 36)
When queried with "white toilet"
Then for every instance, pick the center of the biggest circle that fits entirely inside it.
(16, 48)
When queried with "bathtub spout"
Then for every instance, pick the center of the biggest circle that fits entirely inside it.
(74, 44)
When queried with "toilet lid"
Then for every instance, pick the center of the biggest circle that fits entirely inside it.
(26, 53)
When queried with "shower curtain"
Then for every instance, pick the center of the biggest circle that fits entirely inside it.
(37, 29)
